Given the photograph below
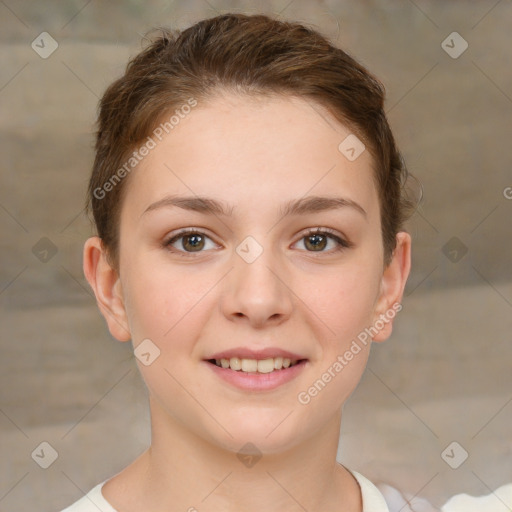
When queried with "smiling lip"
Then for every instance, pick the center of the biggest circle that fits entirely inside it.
(255, 381)
(246, 353)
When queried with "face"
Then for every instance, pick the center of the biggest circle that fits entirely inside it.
(265, 273)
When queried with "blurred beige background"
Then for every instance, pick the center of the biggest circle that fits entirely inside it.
(444, 376)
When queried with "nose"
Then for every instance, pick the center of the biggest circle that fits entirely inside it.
(257, 292)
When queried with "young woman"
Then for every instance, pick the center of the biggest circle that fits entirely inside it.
(248, 199)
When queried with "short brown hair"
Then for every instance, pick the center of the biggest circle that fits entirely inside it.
(247, 54)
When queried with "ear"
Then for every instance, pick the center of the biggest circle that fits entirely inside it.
(106, 285)
(392, 287)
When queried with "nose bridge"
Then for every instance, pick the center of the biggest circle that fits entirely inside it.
(256, 288)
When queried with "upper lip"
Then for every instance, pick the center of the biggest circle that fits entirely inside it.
(247, 353)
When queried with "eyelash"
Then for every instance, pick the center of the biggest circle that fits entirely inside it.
(342, 243)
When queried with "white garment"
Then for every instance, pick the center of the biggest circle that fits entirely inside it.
(93, 501)
(499, 500)
(404, 502)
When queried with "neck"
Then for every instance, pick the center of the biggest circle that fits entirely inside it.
(182, 471)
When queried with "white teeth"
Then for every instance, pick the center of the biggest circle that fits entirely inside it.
(235, 363)
(249, 365)
(256, 365)
(266, 365)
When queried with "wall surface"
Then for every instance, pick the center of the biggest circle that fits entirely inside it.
(443, 377)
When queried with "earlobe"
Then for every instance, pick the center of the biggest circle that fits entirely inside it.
(105, 282)
(392, 287)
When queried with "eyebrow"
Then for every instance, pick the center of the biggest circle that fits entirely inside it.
(302, 206)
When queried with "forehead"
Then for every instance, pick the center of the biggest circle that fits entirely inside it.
(252, 151)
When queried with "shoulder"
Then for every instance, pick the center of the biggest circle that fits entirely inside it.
(373, 500)
(404, 502)
(91, 502)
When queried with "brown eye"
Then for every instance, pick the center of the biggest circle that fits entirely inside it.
(192, 242)
(189, 241)
(318, 240)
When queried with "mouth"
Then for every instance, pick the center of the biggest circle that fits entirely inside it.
(253, 370)
(267, 365)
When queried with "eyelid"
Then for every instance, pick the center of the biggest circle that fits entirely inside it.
(173, 237)
(340, 239)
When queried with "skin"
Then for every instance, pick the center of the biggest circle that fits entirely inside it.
(254, 154)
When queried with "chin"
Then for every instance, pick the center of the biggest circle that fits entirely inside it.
(260, 433)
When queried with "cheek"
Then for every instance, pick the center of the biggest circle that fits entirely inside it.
(344, 302)
(345, 306)
(165, 304)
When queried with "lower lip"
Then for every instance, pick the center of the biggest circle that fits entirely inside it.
(254, 381)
